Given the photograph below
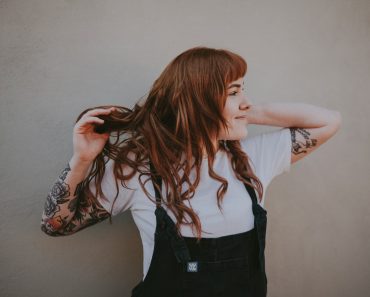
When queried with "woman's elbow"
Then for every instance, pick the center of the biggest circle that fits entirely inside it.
(338, 118)
(49, 230)
(335, 121)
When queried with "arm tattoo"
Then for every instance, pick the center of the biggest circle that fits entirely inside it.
(86, 213)
(299, 147)
(52, 220)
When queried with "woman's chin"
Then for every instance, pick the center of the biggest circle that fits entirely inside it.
(237, 135)
(244, 133)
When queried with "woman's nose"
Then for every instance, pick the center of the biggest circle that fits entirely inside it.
(245, 104)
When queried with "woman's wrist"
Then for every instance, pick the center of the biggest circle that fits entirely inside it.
(255, 114)
(79, 164)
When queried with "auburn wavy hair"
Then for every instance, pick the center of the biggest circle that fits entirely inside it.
(173, 127)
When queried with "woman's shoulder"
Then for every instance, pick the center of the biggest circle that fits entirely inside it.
(121, 192)
(267, 141)
(269, 153)
(124, 166)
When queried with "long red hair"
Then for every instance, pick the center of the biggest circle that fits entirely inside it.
(174, 127)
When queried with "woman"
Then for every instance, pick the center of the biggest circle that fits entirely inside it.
(182, 163)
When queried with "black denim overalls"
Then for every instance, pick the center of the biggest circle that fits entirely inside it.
(227, 266)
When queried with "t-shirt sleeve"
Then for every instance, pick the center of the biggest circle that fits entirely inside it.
(270, 153)
(125, 196)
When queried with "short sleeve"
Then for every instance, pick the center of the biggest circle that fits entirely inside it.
(125, 196)
(270, 153)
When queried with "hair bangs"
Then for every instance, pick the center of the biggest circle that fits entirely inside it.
(236, 66)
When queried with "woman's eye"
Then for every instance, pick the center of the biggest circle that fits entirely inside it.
(235, 92)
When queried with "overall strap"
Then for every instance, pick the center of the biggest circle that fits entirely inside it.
(260, 223)
(251, 191)
(168, 227)
(157, 181)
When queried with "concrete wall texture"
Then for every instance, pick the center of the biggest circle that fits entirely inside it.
(60, 57)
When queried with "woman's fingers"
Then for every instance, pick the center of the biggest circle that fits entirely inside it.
(91, 120)
(98, 111)
(95, 112)
(91, 117)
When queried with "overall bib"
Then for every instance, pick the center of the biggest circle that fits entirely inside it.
(227, 266)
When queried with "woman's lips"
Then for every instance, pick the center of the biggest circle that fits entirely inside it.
(242, 118)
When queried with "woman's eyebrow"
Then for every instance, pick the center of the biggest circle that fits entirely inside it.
(235, 85)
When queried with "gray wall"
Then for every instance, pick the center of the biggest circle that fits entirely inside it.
(60, 57)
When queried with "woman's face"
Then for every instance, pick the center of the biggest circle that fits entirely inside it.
(234, 112)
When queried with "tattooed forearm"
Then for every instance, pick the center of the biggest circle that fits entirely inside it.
(304, 142)
(60, 195)
(66, 214)
(87, 214)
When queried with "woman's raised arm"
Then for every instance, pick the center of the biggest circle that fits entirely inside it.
(65, 212)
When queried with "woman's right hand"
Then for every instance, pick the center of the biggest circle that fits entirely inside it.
(87, 144)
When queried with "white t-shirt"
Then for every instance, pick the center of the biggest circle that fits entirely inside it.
(270, 155)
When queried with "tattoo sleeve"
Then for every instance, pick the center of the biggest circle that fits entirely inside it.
(301, 140)
(65, 213)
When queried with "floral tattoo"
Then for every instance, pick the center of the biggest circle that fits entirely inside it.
(85, 212)
(305, 142)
